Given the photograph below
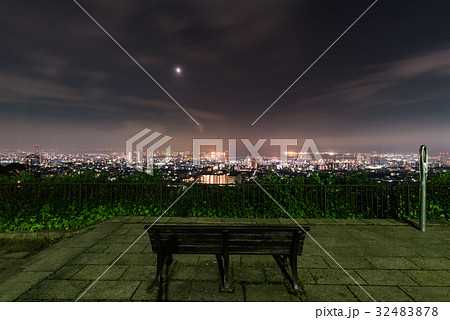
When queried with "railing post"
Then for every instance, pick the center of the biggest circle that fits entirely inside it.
(243, 201)
(423, 166)
(161, 199)
(80, 198)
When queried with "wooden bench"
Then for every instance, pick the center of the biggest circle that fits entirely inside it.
(282, 242)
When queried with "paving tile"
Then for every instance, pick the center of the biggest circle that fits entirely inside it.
(9, 263)
(92, 272)
(145, 292)
(148, 250)
(186, 259)
(328, 293)
(288, 221)
(119, 248)
(20, 283)
(95, 258)
(181, 272)
(203, 220)
(398, 222)
(136, 226)
(311, 262)
(111, 291)
(258, 261)
(210, 291)
(150, 220)
(437, 252)
(55, 260)
(182, 220)
(85, 240)
(137, 259)
(343, 251)
(107, 227)
(98, 247)
(320, 221)
(175, 291)
(210, 260)
(379, 250)
(335, 276)
(430, 278)
(425, 294)
(127, 239)
(136, 232)
(380, 294)
(331, 241)
(275, 275)
(54, 290)
(385, 277)
(348, 262)
(14, 255)
(392, 263)
(269, 292)
(249, 274)
(133, 219)
(350, 221)
(5, 274)
(380, 222)
(431, 263)
(142, 273)
(310, 248)
(66, 272)
(305, 277)
(265, 221)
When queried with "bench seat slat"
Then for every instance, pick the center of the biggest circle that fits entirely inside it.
(232, 250)
(218, 237)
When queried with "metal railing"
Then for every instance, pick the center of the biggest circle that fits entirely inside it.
(246, 200)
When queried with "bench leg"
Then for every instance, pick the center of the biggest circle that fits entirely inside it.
(226, 269)
(281, 261)
(169, 260)
(224, 266)
(220, 264)
(159, 266)
(285, 260)
(293, 260)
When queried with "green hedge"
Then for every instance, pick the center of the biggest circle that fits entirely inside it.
(78, 200)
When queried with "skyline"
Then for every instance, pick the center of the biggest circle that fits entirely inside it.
(207, 153)
(384, 86)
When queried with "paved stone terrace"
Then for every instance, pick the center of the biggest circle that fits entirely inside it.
(392, 260)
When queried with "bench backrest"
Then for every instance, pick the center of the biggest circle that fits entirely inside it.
(235, 239)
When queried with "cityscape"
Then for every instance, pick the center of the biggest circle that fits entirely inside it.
(215, 169)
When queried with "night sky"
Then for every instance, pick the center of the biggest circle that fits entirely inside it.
(384, 86)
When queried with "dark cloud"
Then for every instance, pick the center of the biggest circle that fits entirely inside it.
(384, 85)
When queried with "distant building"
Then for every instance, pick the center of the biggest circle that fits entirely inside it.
(358, 158)
(444, 158)
(234, 177)
(32, 160)
(37, 149)
(213, 179)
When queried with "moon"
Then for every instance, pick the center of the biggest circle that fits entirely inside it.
(178, 70)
